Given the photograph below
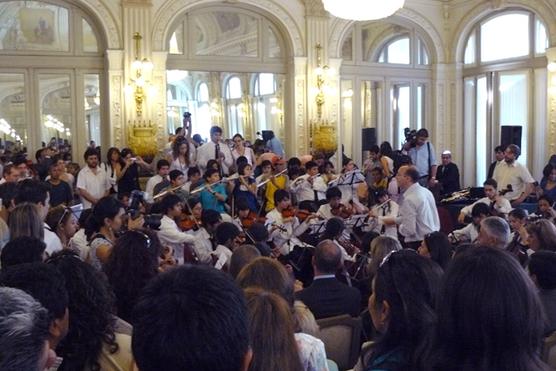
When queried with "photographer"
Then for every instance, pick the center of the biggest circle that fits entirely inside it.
(169, 233)
(422, 155)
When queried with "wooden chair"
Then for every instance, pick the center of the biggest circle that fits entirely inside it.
(342, 339)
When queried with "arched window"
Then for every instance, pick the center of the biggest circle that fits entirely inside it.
(60, 36)
(266, 104)
(501, 96)
(398, 50)
(203, 110)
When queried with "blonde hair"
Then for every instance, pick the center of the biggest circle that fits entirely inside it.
(25, 220)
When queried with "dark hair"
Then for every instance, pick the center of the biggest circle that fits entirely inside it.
(266, 163)
(179, 326)
(409, 283)
(85, 214)
(8, 193)
(333, 192)
(131, 265)
(310, 165)
(294, 162)
(241, 168)
(211, 163)
(169, 201)
(328, 257)
(22, 249)
(547, 199)
(242, 160)
(178, 142)
(242, 256)
(481, 325)
(215, 129)
(346, 161)
(386, 149)
(109, 156)
(238, 135)
(374, 149)
(90, 152)
(480, 208)
(440, 248)
(161, 163)
(41, 281)
(210, 217)
(175, 174)
(242, 204)
(491, 182)
(500, 148)
(333, 228)
(209, 173)
(519, 213)
(33, 191)
(543, 266)
(191, 202)
(423, 133)
(226, 231)
(106, 207)
(91, 320)
(280, 195)
(193, 170)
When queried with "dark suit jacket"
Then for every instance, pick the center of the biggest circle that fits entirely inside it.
(328, 297)
(448, 176)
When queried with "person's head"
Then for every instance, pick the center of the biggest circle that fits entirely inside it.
(238, 140)
(171, 205)
(481, 325)
(245, 169)
(333, 228)
(517, 218)
(494, 232)
(180, 147)
(386, 149)
(25, 220)
(212, 176)
(542, 269)
(91, 158)
(266, 167)
(35, 192)
(242, 256)
(44, 283)
(112, 156)
(512, 153)
(437, 247)
(210, 219)
(61, 221)
(269, 275)
(176, 178)
(446, 158)
(215, 134)
(54, 170)
(407, 176)
(195, 207)
(107, 213)
(499, 152)
(381, 246)
(348, 164)
(162, 167)
(545, 203)
(194, 174)
(11, 173)
(402, 302)
(227, 235)
(258, 232)
(422, 136)
(282, 199)
(377, 174)
(374, 151)
(8, 192)
(131, 265)
(179, 326)
(24, 325)
(197, 140)
(333, 196)
(278, 163)
(271, 330)
(480, 211)
(327, 258)
(541, 235)
(178, 131)
(23, 249)
(491, 188)
(242, 207)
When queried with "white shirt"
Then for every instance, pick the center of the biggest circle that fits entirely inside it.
(388, 210)
(95, 184)
(202, 245)
(305, 191)
(515, 174)
(469, 233)
(348, 184)
(207, 152)
(248, 153)
(51, 240)
(502, 206)
(418, 215)
(151, 183)
(79, 244)
(224, 255)
(170, 235)
(286, 240)
(325, 211)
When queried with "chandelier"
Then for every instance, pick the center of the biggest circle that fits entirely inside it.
(362, 10)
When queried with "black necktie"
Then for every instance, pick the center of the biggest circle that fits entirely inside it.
(216, 151)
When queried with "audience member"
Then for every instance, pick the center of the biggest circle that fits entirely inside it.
(178, 326)
(499, 155)
(542, 269)
(437, 247)
(494, 232)
(61, 221)
(381, 246)
(10, 174)
(92, 181)
(78, 242)
(447, 175)
(23, 249)
(60, 192)
(513, 177)
(242, 256)
(541, 235)
(25, 220)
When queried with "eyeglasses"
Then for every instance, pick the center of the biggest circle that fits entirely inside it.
(66, 211)
(386, 258)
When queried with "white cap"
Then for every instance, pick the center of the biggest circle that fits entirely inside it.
(446, 152)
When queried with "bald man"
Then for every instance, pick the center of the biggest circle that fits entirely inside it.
(328, 297)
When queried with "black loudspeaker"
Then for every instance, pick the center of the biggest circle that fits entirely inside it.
(368, 138)
(510, 135)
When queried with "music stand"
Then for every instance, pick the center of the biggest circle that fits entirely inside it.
(317, 227)
(357, 220)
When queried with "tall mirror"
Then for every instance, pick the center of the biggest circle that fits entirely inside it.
(14, 129)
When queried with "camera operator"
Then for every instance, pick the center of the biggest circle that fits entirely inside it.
(169, 233)
(422, 155)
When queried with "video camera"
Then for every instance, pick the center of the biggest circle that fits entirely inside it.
(410, 137)
(152, 221)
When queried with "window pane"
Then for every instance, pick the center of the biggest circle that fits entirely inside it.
(92, 107)
(470, 50)
(420, 119)
(176, 41)
(422, 54)
(55, 106)
(33, 25)
(234, 88)
(401, 106)
(274, 50)
(514, 106)
(203, 95)
(506, 36)
(398, 51)
(226, 34)
(265, 84)
(482, 130)
(14, 128)
(541, 40)
(89, 38)
(203, 121)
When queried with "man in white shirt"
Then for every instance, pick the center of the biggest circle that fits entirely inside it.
(418, 215)
(92, 181)
(169, 232)
(499, 205)
(162, 168)
(511, 173)
(310, 186)
(217, 150)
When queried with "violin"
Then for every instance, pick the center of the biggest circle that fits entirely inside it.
(189, 223)
(299, 213)
(342, 211)
(251, 219)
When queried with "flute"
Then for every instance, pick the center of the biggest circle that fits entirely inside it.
(268, 180)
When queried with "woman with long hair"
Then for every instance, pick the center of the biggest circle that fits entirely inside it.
(25, 220)
(541, 235)
(61, 221)
(489, 315)
(129, 178)
(385, 158)
(241, 150)
(132, 264)
(181, 157)
(113, 167)
(402, 311)
(91, 342)
(271, 330)
(437, 247)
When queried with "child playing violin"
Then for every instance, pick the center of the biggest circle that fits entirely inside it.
(334, 207)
